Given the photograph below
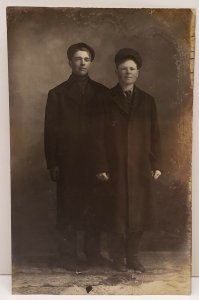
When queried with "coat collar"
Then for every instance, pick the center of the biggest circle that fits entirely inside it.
(73, 92)
(118, 98)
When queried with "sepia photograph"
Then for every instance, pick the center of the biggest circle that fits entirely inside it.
(101, 149)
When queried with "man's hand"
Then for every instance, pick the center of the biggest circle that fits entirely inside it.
(156, 174)
(102, 176)
(54, 173)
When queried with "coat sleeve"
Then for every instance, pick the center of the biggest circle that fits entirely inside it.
(156, 151)
(50, 130)
(101, 163)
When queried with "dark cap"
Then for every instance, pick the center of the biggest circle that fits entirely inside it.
(128, 53)
(79, 46)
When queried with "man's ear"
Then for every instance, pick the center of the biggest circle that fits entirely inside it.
(116, 71)
(69, 62)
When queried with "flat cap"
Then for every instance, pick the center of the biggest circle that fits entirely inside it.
(79, 46)
(128, 53)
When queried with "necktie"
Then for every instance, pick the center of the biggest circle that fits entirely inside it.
(128, 95)
(128, 98)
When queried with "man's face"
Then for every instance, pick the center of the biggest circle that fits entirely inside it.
(127, 72)
(80, 63)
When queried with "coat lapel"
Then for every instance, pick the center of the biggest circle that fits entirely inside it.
(72, 92)
(136, 101)
(89, 92)
(118, 98)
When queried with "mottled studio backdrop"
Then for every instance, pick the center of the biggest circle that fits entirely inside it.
(37, 42)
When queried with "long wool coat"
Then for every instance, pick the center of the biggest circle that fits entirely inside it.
(68, 144)
(128, 147)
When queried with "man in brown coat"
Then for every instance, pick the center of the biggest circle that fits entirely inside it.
(70, 157)
(128, 127)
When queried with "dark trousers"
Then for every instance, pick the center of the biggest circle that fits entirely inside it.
(123, 246)
(69, 248)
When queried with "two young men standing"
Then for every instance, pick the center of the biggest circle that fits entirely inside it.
(96, 136)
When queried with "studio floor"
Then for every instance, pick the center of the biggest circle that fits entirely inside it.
(166, 273)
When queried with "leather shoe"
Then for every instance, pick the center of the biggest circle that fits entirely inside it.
(135, 265)
(119, 265)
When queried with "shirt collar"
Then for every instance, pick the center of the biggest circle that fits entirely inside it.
(127, 89)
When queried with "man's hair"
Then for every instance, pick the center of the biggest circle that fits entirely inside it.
(82, 49)
(128, 53)
(80, 46)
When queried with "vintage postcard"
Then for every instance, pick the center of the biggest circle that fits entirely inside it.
(101, 145)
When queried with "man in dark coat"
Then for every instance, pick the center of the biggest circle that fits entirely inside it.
(69, 153)
(128, 127)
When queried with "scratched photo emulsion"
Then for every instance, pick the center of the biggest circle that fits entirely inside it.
(101, 143)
